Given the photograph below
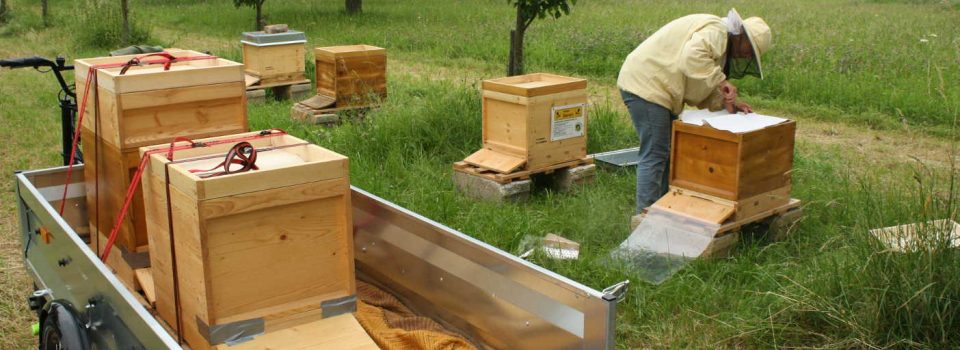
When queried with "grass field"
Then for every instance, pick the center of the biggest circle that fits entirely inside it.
(873, 85)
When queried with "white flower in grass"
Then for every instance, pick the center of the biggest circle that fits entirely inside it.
(924, 40)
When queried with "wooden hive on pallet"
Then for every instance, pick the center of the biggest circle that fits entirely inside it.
(275, 58)
(735, 174)
(351, 75)
(532, 122)
(270, 247)
(145, 106)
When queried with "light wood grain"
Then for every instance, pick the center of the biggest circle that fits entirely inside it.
(341, 332)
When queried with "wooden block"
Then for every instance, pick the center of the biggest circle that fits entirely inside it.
(353, 75)
(695, 207)
(275, 28)
(496, 161)
(145, 281)
(732, 166)
(339, 332)
(537, 118)
(271, 243)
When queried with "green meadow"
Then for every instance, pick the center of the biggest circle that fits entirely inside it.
(873, 86)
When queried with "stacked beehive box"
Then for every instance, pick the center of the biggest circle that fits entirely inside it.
(147, 105)
(349, 76)
(258, 251)
(531, 122)
(737, 174)
(275, 58)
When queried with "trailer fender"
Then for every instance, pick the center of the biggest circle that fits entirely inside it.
(62, 328)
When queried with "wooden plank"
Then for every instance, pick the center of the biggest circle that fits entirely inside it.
(698, 208)
(341, 332)
(730, 226)
(161, 262)
(505, 124)
(145, 280)
(705, 161)
(767, 159)
(536, 84)
(250, 80)
(467, 168)
(279, 255)
(496, 161)
(192, 270)
(319, 102)
(274, 197)
(107, 176)
(265, 84)
(161, 124)
(166, 97)
(186, 73)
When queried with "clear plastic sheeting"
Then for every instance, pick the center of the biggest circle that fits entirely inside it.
(664, 243)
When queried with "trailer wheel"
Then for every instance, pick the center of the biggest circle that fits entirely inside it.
(62, 329)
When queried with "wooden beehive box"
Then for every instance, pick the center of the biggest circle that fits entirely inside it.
(749, 172)
(351, 75)
(268, 245)
(531, 122)
(275, 57)
(148, 106)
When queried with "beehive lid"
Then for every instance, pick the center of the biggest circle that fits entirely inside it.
(348, 51)
(281, 161)
(188, 72)
(536, 84)
(268, 39)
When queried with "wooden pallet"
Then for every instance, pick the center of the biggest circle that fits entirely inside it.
(793, 206)
(282, 90)
(322, 109)
(277, 84)
(489, 174)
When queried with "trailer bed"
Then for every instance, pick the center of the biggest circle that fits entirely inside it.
(491, 297)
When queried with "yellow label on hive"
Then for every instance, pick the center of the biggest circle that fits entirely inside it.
(567, 122)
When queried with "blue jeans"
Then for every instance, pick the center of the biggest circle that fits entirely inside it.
(654, 127)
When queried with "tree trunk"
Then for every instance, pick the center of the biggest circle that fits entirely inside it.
(354, 7)
(260, 15)
(44, 13)
(3, 11)
(125, 10)
(516, 46)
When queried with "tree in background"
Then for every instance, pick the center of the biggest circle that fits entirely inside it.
(354, 6)
(125, 30)
(527, 11)
(44, 13)
(257, 4)
(3, 11)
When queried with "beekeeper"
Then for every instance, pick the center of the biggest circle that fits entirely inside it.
(687, 62)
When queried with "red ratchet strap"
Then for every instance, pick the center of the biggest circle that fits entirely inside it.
(92, 76)
(135, 182)
(242, 153)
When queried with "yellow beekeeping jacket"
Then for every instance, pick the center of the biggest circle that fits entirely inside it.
(682, 63)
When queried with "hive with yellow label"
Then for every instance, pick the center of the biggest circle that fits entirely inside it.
(532, 123)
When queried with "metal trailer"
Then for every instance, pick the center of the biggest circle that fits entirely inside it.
(490, 296)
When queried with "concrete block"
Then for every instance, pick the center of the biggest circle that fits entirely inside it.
(256, 96)
(488, 190)
(309, 115)
(566, 179)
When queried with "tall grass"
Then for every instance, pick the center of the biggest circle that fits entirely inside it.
(829, 284)
(99, 25)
